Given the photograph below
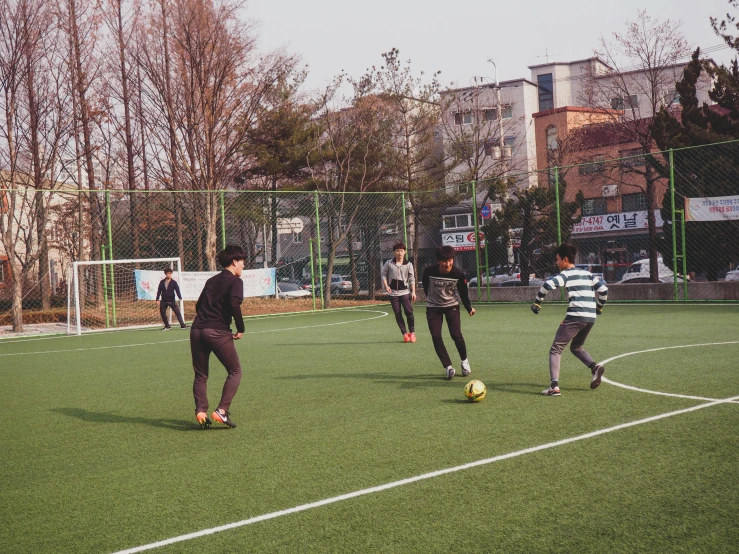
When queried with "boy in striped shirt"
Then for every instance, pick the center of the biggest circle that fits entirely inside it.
(582, 289)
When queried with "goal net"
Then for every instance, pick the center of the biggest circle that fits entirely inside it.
(117, 294)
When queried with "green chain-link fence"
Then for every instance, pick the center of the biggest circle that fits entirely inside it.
(620, 213)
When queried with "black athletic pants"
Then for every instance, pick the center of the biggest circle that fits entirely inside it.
(435, 317)
(220, 343)
(405, 300)
(175, 310)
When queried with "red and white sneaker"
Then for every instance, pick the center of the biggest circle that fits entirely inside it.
(413, 337)
(552, 391)
(406, 337)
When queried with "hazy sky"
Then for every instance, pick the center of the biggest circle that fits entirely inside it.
(458, 37)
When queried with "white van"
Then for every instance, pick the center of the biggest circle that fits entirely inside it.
(638, 272)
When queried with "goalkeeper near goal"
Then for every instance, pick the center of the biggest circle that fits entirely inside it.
(582, 289)
(168, 287)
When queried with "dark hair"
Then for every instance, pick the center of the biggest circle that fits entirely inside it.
(399, 245)
(567, 250)
(230, 254)
(444, 253)
(168, 270)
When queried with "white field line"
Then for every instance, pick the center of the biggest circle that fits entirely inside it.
(382, 314)
(415, 479)
(637, 389)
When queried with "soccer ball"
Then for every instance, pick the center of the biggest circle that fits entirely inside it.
(475, 391)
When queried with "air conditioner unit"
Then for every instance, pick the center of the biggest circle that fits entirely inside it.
(610, 190)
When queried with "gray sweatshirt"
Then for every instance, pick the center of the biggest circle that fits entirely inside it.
(399, 277)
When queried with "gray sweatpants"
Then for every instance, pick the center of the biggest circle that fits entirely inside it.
(577, 332)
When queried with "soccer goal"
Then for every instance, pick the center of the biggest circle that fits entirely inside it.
(117, 294)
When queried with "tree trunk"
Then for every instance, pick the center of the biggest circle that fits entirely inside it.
(651, 225)
(275, 234)
(16, 312)
(352, 261)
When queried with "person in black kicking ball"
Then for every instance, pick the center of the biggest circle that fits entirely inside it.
(444, 286)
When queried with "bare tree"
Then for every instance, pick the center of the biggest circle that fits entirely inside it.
(353, 154)
(643, 66)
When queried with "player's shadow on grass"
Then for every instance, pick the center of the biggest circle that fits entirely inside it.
(108, 417)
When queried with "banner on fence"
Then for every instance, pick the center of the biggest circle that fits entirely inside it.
(257, 282)
(716, 208)
(623, 221)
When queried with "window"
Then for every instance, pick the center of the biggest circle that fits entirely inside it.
(634, 202)
(491, 149)
(595, 166)
(546, 92)
(2, 272)
(489, 115)
(463, 118)
(298, 237)
(672, 97)
(594, 206)
(633, 157)
(552, 177)
(458, 221)
(507, 112)
(508, 144)
(618, 103)
(552, 143)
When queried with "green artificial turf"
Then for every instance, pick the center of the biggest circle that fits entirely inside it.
(100, 451)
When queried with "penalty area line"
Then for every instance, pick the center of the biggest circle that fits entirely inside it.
(410, 480)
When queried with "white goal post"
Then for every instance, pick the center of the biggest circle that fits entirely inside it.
(105, 294)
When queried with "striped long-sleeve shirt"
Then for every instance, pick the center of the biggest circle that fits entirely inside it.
(582, 289)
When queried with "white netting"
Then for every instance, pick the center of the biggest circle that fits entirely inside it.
(106, 295)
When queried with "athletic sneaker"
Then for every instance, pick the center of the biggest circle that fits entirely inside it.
(552, 391)
(597, 372)
(183, 326)
(167, 329)
(406, 337)
(203, 420)
(224, 418)
(466, 369)
(450, 373)
(413, 337)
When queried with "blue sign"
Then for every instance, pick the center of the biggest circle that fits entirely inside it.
(485, 212)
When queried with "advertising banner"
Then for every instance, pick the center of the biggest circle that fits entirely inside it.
(716, 208)
(462, 241)
(622, 221)
(257, 282)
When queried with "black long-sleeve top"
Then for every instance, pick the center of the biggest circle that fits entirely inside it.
(219, 302)
(167, 293)
(444, 290)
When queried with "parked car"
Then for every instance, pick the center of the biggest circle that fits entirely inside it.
(497, 276)
(638, 272)
(733, 275)
(305, 284)
(341, 284)
(290, 290)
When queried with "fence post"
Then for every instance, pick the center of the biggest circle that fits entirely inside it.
(105, 286)
(477, 239)
(559, 223)
(318, 238)
(223, 220)
(556, 194)
(110, 251)
(674, 223)
(312, 274)
(405, 227)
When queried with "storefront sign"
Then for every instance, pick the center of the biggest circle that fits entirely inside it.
(623, 221)
(462, 241)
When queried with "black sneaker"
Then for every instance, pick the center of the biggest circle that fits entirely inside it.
(597, 372)
(203, 420)
(183, 326)
(224, 418)
(167, 329)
